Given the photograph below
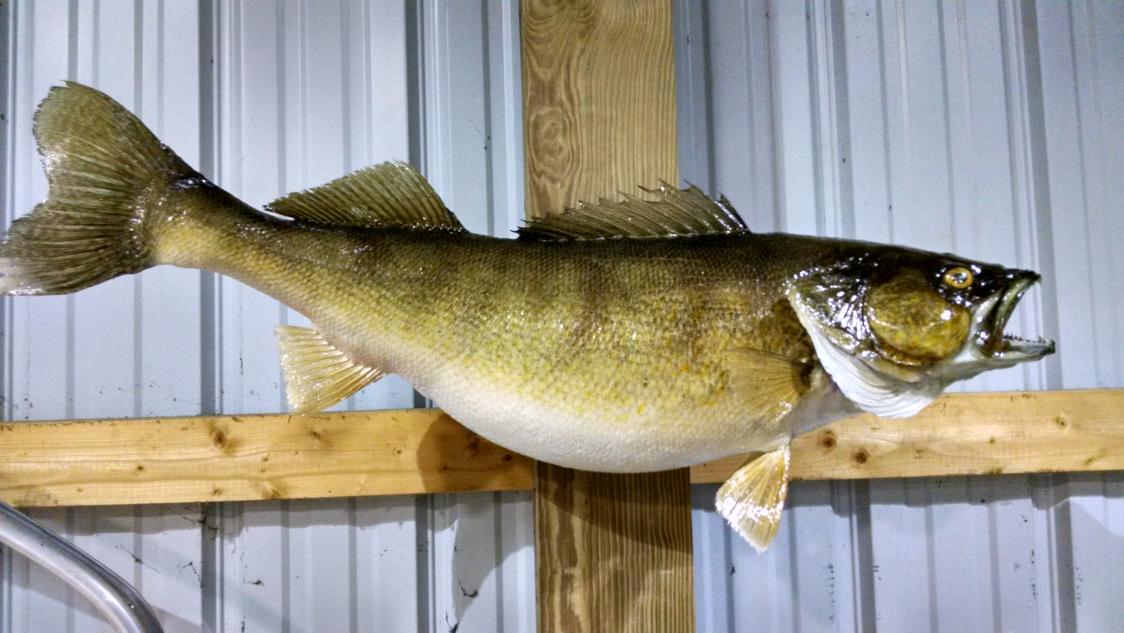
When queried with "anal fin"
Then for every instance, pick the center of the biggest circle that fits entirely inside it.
(317, 374)
(753, 497)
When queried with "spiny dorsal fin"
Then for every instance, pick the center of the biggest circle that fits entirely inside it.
(753, 497)
(317, 374)
(675, 213)
(390, 195)
(770, 383)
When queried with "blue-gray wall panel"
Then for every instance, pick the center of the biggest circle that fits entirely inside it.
(988, 129)
(266, 98)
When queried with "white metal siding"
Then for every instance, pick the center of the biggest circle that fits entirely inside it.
(265, 98)
(989, 128)
(128, 348)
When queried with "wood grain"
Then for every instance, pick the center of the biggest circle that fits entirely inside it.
(599, 99)
(964, 434)
(240, 458)
(613, 552)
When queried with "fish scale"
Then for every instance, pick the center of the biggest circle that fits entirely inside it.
(625, 336)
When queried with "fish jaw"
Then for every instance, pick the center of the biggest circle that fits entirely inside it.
(1006, 349)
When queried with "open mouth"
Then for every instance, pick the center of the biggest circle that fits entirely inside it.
(1009, 347)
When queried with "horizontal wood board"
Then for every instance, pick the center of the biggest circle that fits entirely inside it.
(236, 458)
(420, 451)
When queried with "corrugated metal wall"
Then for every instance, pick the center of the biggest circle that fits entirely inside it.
(266, 98)
(992, 129)
(989, 128)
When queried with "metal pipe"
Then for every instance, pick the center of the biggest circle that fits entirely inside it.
(116, 599)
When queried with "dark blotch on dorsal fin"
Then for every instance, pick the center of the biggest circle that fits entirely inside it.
(389, 195)
(675, 213)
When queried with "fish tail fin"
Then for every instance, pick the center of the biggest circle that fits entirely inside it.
(104, 169)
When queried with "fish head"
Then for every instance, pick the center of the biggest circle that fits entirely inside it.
(895, 326)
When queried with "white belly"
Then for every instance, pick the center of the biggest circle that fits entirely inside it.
(496, 413)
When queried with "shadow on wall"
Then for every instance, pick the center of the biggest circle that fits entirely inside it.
(450, 457)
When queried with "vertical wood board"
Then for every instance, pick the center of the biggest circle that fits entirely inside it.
(613, 551)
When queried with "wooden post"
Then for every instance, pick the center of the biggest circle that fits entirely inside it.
(613, 552)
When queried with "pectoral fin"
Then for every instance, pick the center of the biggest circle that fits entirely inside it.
(770, 383)
(752, 498)
(317, 374)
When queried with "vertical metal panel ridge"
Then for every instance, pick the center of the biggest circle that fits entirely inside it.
(692, 81)
(1026, 143)
(210, 306)
(486, 80)
(819, 88)
(9, 45)
(834, 33)
(10, 39)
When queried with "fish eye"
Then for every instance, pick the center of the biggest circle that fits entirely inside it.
(958, 277)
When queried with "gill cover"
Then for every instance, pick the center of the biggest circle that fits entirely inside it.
(834, 306)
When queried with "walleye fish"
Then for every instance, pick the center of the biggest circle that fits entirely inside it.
(622, 336)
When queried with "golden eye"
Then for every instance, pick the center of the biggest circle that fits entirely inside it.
(958, 277)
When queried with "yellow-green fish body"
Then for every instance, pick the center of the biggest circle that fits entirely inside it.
(618, 355)
(627, 336)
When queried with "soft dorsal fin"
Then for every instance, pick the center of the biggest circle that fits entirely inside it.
(675, 213)
(389, 195)
(317, 374)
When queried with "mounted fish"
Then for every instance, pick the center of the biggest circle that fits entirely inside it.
(622, 336)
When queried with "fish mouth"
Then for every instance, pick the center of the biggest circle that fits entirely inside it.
(1009, 348)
